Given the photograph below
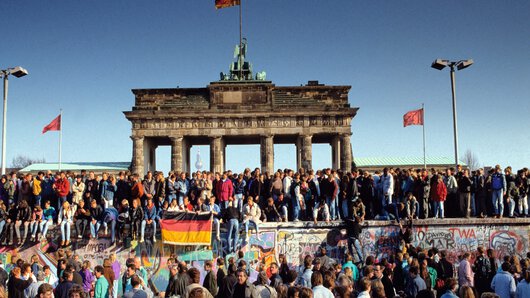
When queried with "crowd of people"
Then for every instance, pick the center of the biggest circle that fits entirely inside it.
(123, 206)
(411, 272)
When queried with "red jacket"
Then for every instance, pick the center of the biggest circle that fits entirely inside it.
(137, 191)
(439, 192)
(225, 190)
(62, 187)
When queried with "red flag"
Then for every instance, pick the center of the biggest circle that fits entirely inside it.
(54, 125)
(226, 3)
(413, 118)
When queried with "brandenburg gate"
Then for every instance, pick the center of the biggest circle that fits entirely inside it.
(241, 111)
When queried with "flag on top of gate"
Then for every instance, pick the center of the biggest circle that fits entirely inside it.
(54, 125)
(413, 118)
(226, 3)
(186, 228)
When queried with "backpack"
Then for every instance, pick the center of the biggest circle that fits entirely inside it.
(496, 182)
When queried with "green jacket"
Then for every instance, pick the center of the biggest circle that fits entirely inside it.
(102, 288)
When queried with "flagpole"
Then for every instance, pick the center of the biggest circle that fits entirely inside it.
(60, 137)
(423, 120)
(240, 40)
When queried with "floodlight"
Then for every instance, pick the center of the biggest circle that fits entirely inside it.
(439, 64)
(18, 71)
(464, 64)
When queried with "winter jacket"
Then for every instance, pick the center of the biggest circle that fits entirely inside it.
(439, 192)
(62, 187)
(78, 189)
(150, 213)
(225, 190)
(137, 191)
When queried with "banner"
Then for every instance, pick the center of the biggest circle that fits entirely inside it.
(186, 228)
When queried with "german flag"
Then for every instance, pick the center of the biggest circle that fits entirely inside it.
(186, 228)
(226, 3)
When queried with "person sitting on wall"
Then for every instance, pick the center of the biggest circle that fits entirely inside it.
(150, 218)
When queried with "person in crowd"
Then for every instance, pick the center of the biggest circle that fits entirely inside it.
(243, 288)
(482, 268)
(214, 209)
(81, 219)
(44, 291)
(414, 283)
(523, 288)
(102, 285)
(319, 291)
(150, 218)
(503, 283)
(48, 215)
(251, 216)
(110, 218)
(65, 220)
(23, 219)
(61, 291)
(108, 190)
(62, 187)
(49, 277)
(96, 218)
(78, 188)
(36, 219)
(498, 191)
(18, 283)
(465, 272)
(137, 216)
(232, 217)
(87, 276)
(137, 291)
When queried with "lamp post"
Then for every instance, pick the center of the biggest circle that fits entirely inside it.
(17, 72)
(461, 64)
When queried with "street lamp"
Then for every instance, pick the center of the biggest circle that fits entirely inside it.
(17, 72)
(461, 64)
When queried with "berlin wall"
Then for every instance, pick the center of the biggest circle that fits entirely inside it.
(296, 240)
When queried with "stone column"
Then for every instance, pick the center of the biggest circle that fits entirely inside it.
(186, 164)
(138, 156)
(335, 152)
(306, 153)
(346, 156)
(216, 154)
(176, 154)
(298, 153)
(267, 153)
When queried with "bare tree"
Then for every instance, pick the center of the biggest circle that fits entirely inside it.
(22, 161)
(471, 160)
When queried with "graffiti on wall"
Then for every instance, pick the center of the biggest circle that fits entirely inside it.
(293, 242)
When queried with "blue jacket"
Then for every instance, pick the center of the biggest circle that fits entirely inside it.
(108, 190)
(239, 187)
(523, 289)
(503, 284)
(150, 213)
(48, 214)
(183, 186)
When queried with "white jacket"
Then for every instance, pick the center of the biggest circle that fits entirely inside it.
(387, 183)
(253, 213)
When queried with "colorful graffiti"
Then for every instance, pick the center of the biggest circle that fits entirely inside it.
(295, 242)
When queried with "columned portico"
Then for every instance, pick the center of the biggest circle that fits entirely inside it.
(240, 112)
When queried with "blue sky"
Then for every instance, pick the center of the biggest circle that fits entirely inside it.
(86, 56)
